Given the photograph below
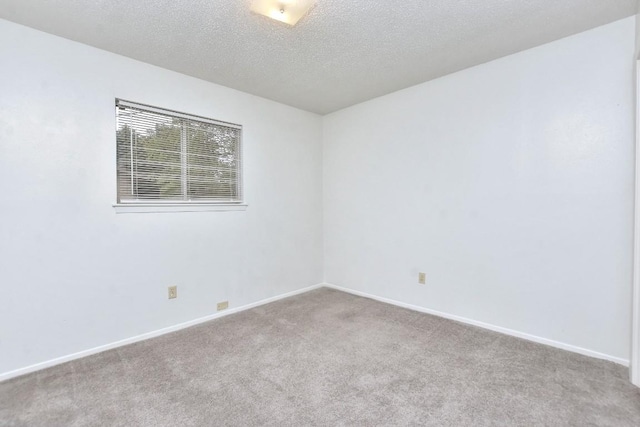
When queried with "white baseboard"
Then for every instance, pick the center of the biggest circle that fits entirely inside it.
(42, 365)
(500, 329)
(39, 366)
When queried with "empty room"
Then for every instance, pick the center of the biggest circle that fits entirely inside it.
(319, 213)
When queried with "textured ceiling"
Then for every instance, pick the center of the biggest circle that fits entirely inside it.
(343, 52)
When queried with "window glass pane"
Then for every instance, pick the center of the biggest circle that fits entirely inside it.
(174, 158)
(212, 161)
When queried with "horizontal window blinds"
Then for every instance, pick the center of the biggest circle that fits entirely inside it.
(166, 156)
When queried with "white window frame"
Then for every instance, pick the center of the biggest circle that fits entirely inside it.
(161, 206)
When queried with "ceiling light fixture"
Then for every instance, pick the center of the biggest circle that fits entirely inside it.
(287, 11)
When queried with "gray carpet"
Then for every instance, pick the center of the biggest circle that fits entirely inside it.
(326, 358)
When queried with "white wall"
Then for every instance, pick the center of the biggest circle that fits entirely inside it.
(638, 32)
(635, 325)
(73, 273)
(510, 184)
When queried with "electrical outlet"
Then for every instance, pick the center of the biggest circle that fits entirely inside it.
(223, 305)
(173, 292)
(422, 278)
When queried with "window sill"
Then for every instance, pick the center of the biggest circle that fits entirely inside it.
(177, 207)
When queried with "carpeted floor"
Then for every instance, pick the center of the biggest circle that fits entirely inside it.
(326, 358)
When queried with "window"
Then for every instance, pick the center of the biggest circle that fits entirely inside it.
(170, 158)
